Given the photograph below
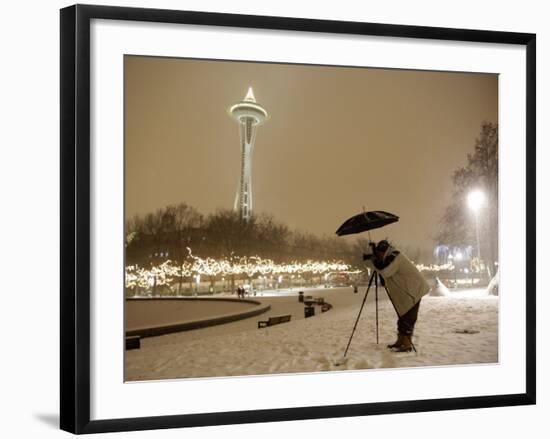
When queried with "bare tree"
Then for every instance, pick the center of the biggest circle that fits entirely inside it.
(480, 172)
(181, 220)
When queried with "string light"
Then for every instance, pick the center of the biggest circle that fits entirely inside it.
(238, 266)
(168, 271)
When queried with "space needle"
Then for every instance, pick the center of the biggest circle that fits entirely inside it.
(250, 115)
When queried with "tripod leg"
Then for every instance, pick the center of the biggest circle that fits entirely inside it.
(412, 344)
(360, 310)
(376, 297)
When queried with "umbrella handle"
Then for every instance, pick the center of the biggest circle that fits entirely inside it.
(366, 217)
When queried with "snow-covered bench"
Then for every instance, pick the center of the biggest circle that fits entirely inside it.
(311, 301)
(275, 320)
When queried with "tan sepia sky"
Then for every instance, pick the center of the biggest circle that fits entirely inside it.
(337, 139)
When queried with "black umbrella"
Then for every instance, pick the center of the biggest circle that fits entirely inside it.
(366, 221)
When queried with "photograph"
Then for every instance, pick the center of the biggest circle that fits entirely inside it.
(298, 218)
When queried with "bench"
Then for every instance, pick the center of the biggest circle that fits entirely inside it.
(133, 342)
(275, 320)
(311, 301)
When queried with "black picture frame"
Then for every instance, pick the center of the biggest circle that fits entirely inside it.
(75, 217)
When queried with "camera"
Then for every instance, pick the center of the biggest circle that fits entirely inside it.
(367, 256)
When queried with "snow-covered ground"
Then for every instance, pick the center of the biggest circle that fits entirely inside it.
(461, 328)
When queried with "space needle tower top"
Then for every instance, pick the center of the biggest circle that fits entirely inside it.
(249, 115)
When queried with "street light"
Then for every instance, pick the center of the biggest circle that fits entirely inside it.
(476, 199)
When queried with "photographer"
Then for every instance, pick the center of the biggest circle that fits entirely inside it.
(405, 286)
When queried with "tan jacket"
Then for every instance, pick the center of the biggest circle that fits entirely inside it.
(405, 284)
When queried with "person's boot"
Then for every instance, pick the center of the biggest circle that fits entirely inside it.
(404, 344)
(397, 342)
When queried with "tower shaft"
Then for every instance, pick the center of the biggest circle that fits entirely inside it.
(243, 198)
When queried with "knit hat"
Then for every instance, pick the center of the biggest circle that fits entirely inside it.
(382, 246)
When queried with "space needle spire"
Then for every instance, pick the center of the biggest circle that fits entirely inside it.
(249, 115)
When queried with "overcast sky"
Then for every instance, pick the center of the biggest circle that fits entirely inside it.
(337, 139)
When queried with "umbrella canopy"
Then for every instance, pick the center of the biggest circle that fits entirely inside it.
(366, 221)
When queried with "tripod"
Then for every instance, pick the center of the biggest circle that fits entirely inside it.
(374, 277)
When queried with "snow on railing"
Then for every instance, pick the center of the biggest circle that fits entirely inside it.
(433, 267)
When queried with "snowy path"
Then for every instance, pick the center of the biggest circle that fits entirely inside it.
(314, 344)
